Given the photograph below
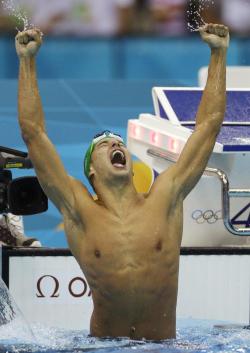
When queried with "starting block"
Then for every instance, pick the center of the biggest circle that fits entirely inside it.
(217, 211)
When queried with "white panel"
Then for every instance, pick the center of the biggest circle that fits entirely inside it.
(210, 287)
(237, 76)
(63, 310)
(215, 287)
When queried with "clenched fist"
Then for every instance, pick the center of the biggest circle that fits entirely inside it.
(28, 43)
(217, 36)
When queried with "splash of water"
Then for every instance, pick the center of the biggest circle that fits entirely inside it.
(193, 336)
(13, 9)
(195, 19)
(7, 312)
(11, 318)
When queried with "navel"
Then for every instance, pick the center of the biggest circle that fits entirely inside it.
(159, 245)
(97, 253)
(132, 330)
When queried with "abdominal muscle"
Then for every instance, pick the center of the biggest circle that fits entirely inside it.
(132, 270)
(136, 305)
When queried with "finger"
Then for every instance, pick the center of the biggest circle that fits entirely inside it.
(25, 39)
(35, 34)
(18, 35)
(30, 35)
(215, 29)
(20, 39)
(205, 36)
(203, 29)
(221, 30)
(37, 30)
(210, 28)
(226, 30)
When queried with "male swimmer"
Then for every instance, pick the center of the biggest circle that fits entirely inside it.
(127, 244)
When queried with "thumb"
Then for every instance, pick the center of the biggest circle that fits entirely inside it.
(205, 35)
(203, 29)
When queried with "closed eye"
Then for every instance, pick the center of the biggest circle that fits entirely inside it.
(103, 143)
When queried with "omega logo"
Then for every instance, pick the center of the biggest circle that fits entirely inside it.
(55, 293)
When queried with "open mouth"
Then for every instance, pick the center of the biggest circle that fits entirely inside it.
(118, 159)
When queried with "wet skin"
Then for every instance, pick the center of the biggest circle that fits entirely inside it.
(130, 257)
(126, 244)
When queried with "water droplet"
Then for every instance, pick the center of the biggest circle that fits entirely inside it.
(14, 10)
(194, 14)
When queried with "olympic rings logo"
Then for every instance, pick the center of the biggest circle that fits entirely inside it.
(208, 216)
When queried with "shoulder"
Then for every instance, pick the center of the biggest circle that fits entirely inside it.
(164, 187)
(77, 186)
(81, 196)
(164, 180)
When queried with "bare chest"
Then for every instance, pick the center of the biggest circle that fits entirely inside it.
(137, 244)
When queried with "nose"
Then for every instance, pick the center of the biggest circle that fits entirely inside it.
(115, 144)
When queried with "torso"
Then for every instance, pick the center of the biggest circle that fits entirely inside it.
(131, 265)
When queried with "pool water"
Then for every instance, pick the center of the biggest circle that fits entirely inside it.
(192, 336)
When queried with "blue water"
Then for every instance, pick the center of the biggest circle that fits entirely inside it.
(192, 336)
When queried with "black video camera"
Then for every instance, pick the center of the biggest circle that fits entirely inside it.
(22, 196)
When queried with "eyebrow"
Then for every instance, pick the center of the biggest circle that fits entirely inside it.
(102, 141)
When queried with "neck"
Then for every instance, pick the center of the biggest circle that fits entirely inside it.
(119, 199)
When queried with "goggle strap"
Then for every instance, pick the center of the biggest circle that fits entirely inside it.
(99, 138)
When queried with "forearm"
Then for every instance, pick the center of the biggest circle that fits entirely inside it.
(30, 110)
(213, 102)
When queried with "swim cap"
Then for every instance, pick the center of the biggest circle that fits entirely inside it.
(97, 138)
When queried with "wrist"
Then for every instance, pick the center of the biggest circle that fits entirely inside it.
(27, 65)
(26, 59)
(219, 51)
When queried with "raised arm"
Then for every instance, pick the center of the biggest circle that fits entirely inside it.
(195, 155)
(56, 183)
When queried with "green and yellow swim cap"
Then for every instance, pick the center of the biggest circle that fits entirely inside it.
(97, 138)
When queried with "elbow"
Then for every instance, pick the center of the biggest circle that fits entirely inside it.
(29, 131)
(213, 122)
(216, 122)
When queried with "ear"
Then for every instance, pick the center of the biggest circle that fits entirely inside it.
(91, 171)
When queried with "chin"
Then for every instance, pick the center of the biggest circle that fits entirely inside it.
(121, 172)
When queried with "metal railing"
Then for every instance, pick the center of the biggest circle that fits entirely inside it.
(226, 192)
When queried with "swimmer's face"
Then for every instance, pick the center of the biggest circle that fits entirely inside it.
(109, 159)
